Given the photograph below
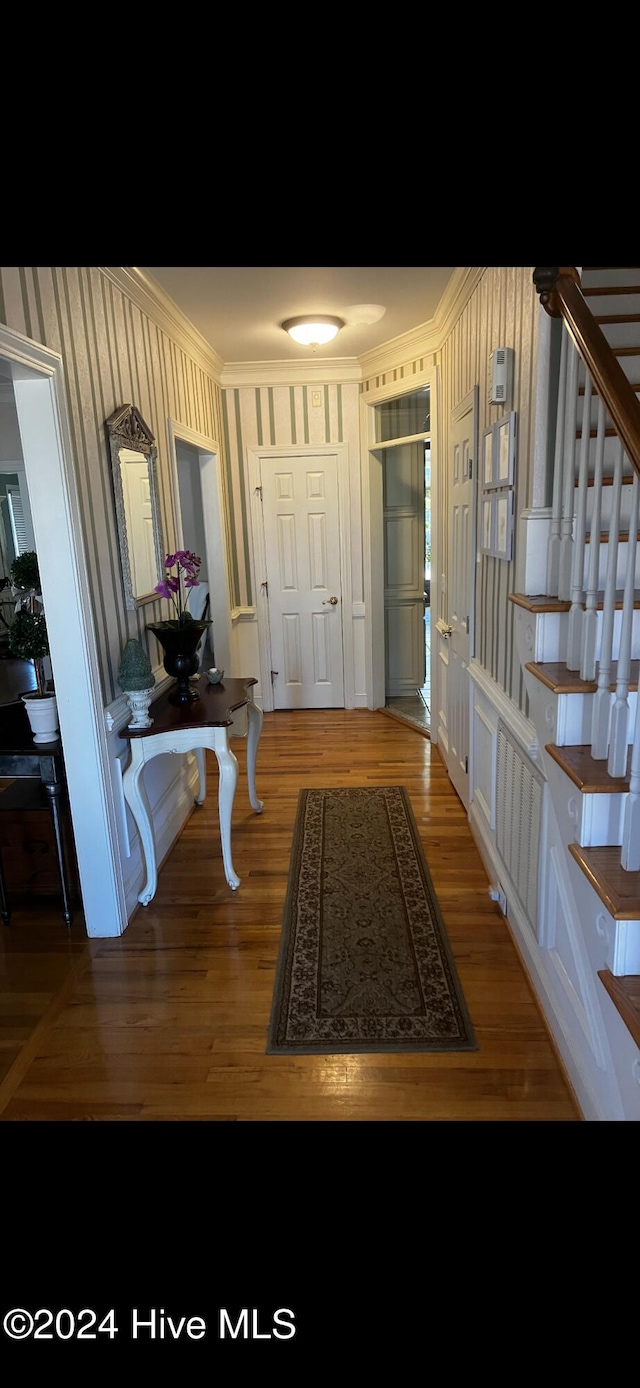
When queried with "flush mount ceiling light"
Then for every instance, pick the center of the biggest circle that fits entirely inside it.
(313, 329)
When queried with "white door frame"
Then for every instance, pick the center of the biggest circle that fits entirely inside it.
(257, 557)
(470, 404)
(41, 403)
(216, 529)
(372, 523)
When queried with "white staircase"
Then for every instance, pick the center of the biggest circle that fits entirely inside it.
(579, 645)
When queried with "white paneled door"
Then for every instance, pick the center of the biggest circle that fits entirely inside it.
(304, 590)
(454, 636)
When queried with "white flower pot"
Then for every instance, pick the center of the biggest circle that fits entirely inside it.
(43, 717)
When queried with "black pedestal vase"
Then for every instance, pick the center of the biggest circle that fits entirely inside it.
(180, 645)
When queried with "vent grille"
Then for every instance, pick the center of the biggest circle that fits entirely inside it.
(519, 793)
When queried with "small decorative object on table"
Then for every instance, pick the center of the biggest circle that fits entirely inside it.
(215, 676)
(137, 682)
(180, 636)
(28, 640)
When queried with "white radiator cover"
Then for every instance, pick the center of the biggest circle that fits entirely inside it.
(519, 795)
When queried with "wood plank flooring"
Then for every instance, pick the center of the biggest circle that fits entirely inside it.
(168, 1022)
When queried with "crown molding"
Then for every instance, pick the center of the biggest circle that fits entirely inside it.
(421, 341)
(320, 371)
(427, 337)
(152, 299)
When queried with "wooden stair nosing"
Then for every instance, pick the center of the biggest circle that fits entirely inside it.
(618, 890)
(625, 996)
(623, 537)
(627, 480)
(617, 317)
(594, 388)
(560, 680)
(602, 290)
(540, 602)
(590, 776)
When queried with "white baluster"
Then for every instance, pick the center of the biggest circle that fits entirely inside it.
(590, 621)
(601, 716)
(630, 856)
(576, 615)
(553, 553)
(569, 476)
(619, 741)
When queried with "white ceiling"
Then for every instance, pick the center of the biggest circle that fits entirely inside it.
(239, 309)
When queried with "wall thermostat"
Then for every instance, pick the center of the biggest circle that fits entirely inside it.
(500, 376)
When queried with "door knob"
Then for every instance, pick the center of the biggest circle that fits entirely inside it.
(329, 602)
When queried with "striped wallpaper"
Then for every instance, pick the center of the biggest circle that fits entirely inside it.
(503, 311)
(113, 354)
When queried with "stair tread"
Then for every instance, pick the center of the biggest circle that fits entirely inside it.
(623, 537)
(539, 602)
(617, 317)
(617, 889)
(594, 388)
(590, 291)
(607, 481)
(590, 776)
(625, 995)
(561, 680)
(542, 603)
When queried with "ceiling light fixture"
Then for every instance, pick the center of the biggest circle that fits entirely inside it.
(313, 329)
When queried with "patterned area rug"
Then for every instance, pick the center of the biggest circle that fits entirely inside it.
(364, 964)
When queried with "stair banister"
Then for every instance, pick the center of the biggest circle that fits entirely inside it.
(590, 623)
(601, 719)
(553, 553)
(568, 479)
(620, 713)
(562, 298)
(576, 614)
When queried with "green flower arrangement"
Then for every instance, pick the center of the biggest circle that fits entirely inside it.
(28, 639)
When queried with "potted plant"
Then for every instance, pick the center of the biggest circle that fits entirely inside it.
(137, 682)
(181, 635)
(28, 640)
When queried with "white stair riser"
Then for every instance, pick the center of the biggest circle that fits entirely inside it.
(614, 303)
(551, 636)
(607, 496)
(620, 939)
(592, 279)
(590, 820)
(566, 719)
(594, 410)
(621, 565)
(620, 334)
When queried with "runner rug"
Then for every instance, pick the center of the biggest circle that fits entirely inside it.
(364, 963)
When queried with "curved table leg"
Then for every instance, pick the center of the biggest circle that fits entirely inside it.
(226, 791)
(199, 754)
(254, 717)
(136, 798)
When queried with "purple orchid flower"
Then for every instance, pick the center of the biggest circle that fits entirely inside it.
(188, 566)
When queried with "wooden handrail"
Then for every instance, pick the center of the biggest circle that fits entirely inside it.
(561, 296)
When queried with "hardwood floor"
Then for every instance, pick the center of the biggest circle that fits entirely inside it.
(169, 1021)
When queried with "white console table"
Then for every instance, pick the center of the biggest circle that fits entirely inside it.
(192, 728)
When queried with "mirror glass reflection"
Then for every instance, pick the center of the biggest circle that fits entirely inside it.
(136, 491)
(137, 503)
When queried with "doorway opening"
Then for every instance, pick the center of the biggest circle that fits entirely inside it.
(404, 426)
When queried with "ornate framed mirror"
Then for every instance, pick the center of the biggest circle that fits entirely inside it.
(133, 454)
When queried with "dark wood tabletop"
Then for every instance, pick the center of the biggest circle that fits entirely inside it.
(213, 709)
